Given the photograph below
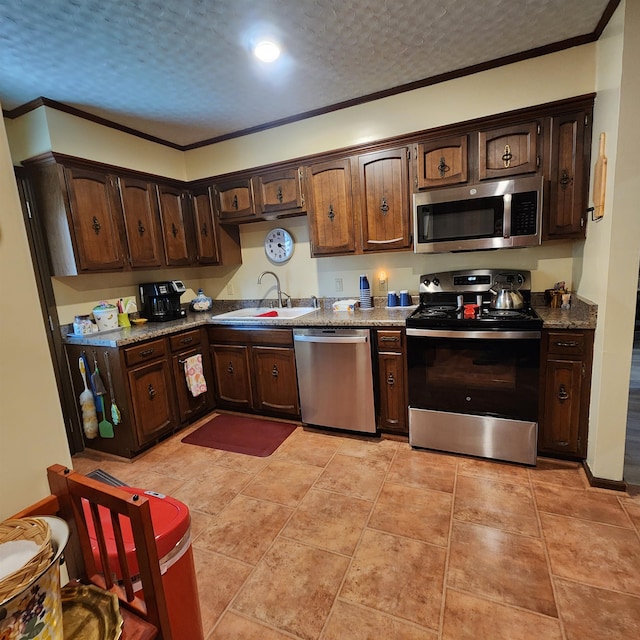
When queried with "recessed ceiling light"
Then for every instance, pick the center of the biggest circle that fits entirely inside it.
(266, 51)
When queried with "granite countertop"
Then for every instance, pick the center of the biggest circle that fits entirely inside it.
(582, 315)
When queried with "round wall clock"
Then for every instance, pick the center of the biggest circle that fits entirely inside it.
(278, 245)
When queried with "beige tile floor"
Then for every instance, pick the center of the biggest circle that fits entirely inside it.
(344, 538)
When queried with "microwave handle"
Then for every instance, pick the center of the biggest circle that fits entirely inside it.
(506, 222)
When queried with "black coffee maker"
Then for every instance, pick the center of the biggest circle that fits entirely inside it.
(160, 301)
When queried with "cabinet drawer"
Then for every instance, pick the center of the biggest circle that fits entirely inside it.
(144, 352)
(280, 337)
(390, 341)
(248, 336)
(185, 340)
(567, 343)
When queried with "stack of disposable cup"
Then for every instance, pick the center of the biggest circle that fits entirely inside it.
(365, 293)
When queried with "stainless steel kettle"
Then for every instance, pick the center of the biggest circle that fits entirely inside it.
(505, 296)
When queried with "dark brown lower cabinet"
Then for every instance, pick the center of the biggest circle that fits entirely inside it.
(150, 389)
(565, 387)
(152, 399)
(392, 388)
(183, 346)
(232, 378)
(151, 394)
(254, 370)
(275, 380)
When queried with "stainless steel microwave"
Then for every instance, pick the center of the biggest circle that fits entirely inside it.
(490, 215)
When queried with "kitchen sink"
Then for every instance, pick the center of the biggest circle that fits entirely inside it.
(251, 313)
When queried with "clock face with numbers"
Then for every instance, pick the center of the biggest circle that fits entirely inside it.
(278, 245)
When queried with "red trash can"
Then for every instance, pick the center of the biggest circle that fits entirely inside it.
(172, 528)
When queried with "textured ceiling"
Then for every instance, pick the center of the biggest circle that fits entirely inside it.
(181, 70)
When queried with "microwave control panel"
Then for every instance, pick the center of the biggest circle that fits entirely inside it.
(524, 214)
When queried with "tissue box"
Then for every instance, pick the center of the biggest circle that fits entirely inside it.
(345, 305)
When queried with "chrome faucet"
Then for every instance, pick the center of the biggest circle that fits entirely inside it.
(277, 283)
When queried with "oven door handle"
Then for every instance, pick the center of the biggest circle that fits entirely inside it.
(506, 334)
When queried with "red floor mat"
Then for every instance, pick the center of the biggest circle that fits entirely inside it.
(240, 434)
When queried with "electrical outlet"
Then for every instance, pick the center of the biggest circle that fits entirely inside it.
(382, 285)
(230, 289)
(338, 284)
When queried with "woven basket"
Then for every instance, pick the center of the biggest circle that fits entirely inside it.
(35, 530)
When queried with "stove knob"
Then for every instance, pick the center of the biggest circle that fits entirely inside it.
(436, 282)
(426, 282)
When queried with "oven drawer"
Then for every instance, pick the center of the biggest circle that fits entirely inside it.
(566, 343)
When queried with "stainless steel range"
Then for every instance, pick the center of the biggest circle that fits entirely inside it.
(473, 364)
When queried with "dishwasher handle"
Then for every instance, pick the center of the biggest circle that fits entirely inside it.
(330, 339)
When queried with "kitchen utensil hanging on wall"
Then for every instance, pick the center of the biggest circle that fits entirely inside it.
(104, 426)
(96, 380)
(599, 181)
(89, 418)
(115, 412)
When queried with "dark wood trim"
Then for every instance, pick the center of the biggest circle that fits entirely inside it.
(53, 104)
(603, 483)
(63, 158)
(39, 250)
(606, 16)
(501, 119)
(498, 120)
(418, 84)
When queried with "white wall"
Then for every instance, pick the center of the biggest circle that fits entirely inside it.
(612, 250)
(32, 434)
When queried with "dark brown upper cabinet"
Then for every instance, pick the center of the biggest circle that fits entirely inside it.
(176, 226)
(204, 225)
(442, 162)
(79, 210)
(281, 192)
(385, 213)
(215, 243)
(100, 218)
(360, 204)
(142, 222)
(509, 151)
(569, 174)
(96, 219)
(331, 216)
(234, 201)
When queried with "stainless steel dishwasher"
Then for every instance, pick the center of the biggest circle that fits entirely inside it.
(335, 378)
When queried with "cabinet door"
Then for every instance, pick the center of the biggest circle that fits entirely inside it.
(141, 222)
(176, 227)
(569, 176)
(208, 251)
(231, 374)
(275, 379)
(393, 404)
(282, 191)
(562, 394)
(331, 218)
(442, 162)
(96, 218)
(234, 200)
(508, 151)
(152, 396)
(188, 406)
(385, 215)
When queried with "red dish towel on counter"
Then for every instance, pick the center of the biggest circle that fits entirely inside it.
(194, 375)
